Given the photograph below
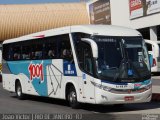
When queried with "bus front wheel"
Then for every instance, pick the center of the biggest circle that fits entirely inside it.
(72, 98)
(19, 93)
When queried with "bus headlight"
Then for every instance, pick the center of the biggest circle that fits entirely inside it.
(100, 86)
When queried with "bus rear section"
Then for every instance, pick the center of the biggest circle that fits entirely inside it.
(154, 55)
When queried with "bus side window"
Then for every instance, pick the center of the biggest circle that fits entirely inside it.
(17, 52)
(10, 53)
(88, 61)
(38, 51)
(49, 48)
(7, 52)
(25, 52)
(65, 48)
(51, 51)
(84, 54)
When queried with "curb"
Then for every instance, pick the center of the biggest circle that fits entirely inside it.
(155, 96)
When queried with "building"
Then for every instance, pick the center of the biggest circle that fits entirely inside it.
(143, 15)
(18, 20)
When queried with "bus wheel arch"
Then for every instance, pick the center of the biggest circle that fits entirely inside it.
(18, 89)
(71, 95)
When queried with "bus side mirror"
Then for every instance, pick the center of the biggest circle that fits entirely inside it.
(93, 46)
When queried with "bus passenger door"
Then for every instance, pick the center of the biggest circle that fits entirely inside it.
(86, 65)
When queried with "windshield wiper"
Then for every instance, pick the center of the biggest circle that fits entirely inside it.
(123, 62)
(122, 45)
(125, 66)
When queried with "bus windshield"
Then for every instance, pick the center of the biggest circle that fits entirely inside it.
(122, 59)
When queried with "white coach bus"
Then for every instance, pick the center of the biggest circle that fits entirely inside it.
(95, 64)
(154, 55)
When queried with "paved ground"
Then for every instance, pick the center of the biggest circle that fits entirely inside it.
(156, 84)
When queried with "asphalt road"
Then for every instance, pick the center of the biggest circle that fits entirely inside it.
(9, 104)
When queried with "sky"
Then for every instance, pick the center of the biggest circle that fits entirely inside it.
(34, 1)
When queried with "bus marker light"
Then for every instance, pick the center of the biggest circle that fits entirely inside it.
(39, 36)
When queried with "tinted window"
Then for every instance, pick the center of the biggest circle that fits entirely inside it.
(44, 48)
(83, 52)
(65, 51)
(85, 59)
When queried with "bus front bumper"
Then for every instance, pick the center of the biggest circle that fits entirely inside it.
(105, 97)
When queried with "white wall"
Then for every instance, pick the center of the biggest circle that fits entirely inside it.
(120, 16)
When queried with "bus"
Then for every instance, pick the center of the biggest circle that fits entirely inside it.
(96, 64)
(154, 55)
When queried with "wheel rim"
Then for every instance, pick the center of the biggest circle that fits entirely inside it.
(19, 91)
(72, 97)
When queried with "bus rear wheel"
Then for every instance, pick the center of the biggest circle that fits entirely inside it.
(19, 93)
(72, 98)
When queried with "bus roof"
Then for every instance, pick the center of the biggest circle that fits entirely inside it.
(106, 30)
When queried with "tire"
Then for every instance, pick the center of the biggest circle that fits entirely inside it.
(19, 93)
(72, 98)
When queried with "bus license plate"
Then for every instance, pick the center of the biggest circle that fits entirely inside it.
(129, 98)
